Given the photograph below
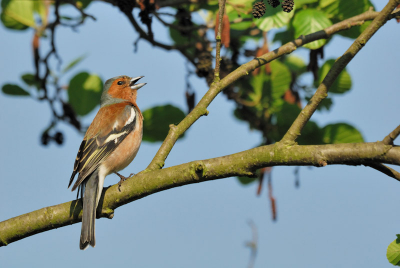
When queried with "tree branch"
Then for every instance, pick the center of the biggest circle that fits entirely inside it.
(322, 91)
(388, 140)
(240, 164)
(179, 27)
(144, 35)
(221, 13)
(201, 108)
(386, 170)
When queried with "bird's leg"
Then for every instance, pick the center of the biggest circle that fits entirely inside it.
(123, 178)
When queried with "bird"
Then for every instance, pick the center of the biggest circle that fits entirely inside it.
(110, 144)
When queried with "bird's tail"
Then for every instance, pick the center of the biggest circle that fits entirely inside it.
(90, 201)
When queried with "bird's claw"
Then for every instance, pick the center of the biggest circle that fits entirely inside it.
(123, 178)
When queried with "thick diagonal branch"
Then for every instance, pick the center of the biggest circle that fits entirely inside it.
(322, 91)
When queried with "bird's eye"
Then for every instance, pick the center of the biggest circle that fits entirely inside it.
(120, 82)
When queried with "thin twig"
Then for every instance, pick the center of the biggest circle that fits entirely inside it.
(388, 140)
(322, 91)
(221, 13)
(385, 169)
(179, 27)
(145, 36)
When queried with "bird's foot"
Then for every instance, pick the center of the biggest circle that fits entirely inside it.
(123, 178)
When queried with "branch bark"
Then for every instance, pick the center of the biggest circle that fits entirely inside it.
(240, 164)
(221, 13)
(392, 136)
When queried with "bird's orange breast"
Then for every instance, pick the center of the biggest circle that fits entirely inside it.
(123, 155)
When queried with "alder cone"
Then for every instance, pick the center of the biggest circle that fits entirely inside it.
(126, 6)
(274, 3)
(287, 5)
(184, 18)
(259, 10)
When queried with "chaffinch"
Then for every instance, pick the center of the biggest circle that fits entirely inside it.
(110, 144)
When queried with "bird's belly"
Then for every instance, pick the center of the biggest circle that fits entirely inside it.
(123, 155)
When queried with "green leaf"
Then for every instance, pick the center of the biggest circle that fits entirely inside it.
(280, 79)
(246, 180)
(14, 90)
(243, 35)
(325, 3)
(300, 3)
(295, 64)
(310, 21)
(273, 18)
(82, 4)
(157, 120)
(212, 2)
(84, 92)
(40, 8)
(344, 9)
(30, 80)
(285, 118)
(244, 25)
(233, 14)
(393, 251)
(311, 134)
(267, 90)
(258, 84)
(342, 83)
(341, 133)
(17, 15)
(285, 36)
(206, 5)
(73, 63)
(179, 38)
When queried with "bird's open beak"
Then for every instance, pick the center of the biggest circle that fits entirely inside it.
(134, 80)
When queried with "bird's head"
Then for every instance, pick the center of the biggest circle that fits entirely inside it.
(119, 89)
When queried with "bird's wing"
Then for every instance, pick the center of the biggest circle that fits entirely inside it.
(108, 129)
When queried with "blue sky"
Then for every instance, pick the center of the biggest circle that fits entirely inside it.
(339, 217)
